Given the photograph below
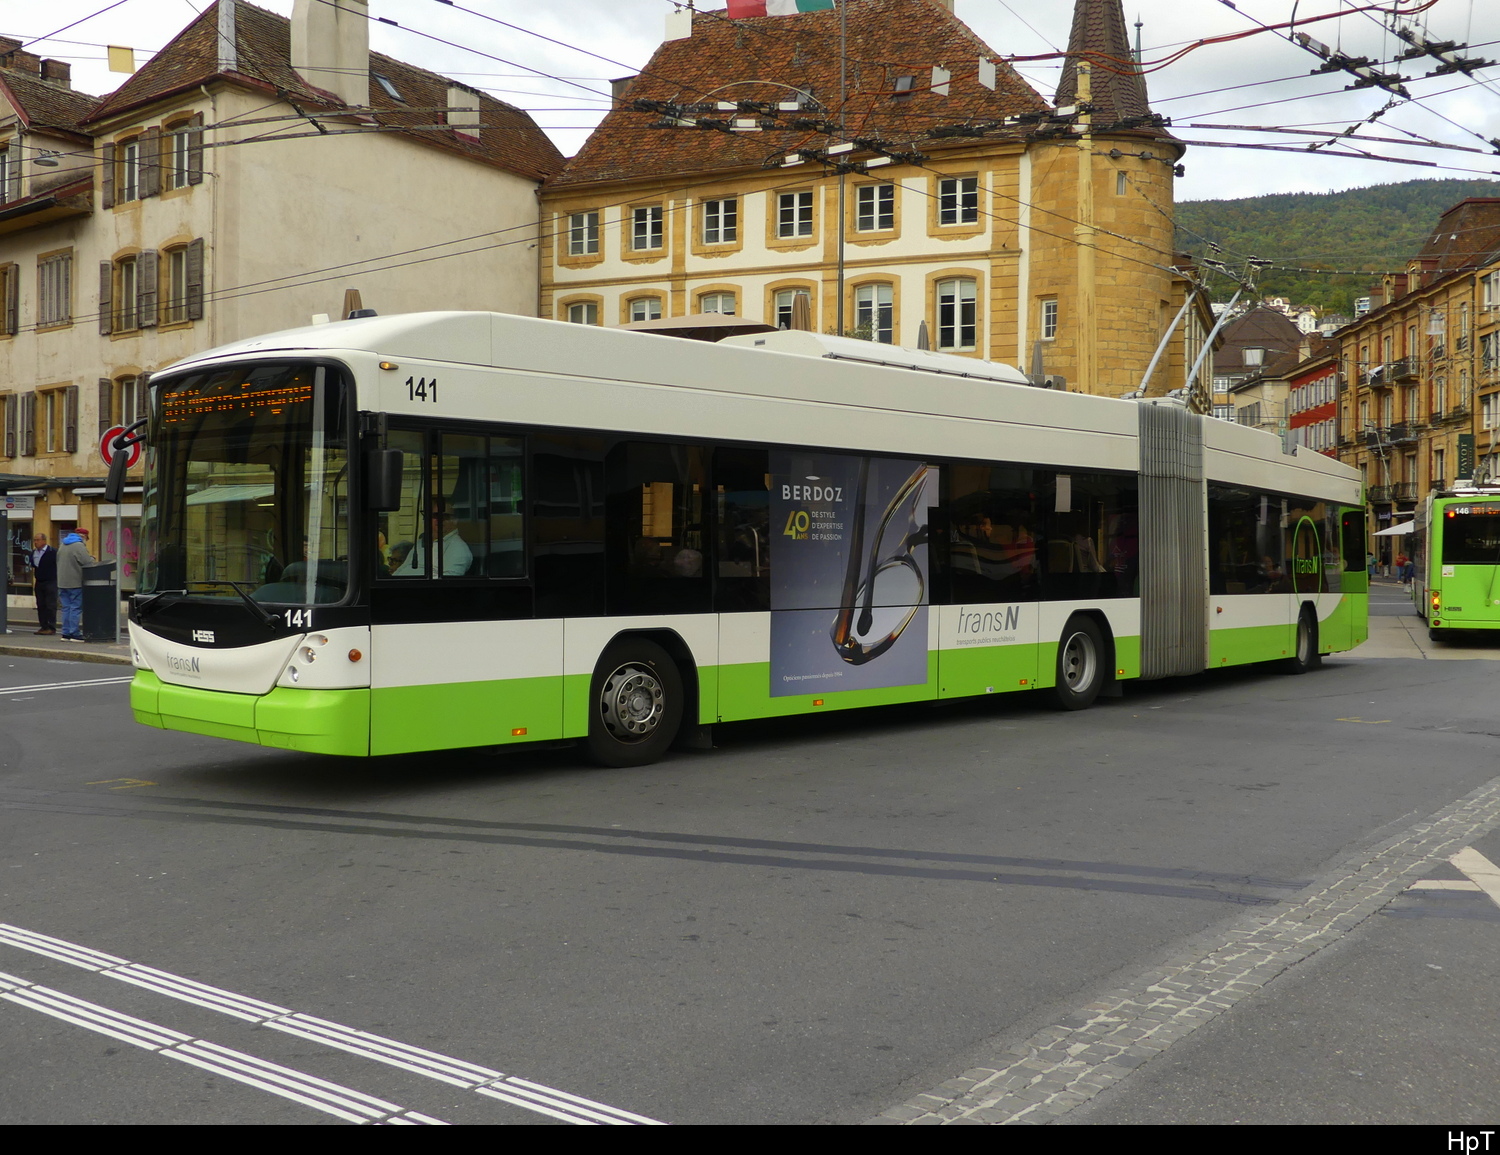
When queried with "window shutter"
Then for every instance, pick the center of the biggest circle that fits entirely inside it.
(13, 176)
(106, 298)
(151, 162)
(195, 280)
(11, 274)
(145, 311)
(195, 149)
(106, 405)
(12, 409)
(28, 424)
(70, 419)
(107, 178)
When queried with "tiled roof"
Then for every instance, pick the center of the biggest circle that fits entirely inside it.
(886, 39)
(1260, 328)
(263, 50)
(45, 103)
(1466, 236)
(1099, 34)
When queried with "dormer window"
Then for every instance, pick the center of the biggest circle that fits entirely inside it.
(1255, 357)
(904, 85)
(387, 87)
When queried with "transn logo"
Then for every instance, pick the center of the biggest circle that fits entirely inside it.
(797, 524)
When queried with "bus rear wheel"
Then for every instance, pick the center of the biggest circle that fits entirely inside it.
(1305, 655)
(1080, 665)
(635, 704)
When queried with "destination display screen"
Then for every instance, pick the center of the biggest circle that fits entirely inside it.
(227, 397)
(1490, 510)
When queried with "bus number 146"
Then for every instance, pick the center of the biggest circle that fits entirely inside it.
(421, 389)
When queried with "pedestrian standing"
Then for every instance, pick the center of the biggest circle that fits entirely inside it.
(71, 559)
(44, 583)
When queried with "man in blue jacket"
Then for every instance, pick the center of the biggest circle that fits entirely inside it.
(71, 559)
(44, 583)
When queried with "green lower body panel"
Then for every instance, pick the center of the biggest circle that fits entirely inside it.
(1240, 647)
(405, 719)
(969, 671)
(313, 721)
(1348, 625)
(745, 692)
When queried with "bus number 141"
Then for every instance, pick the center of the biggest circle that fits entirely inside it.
(421, 389)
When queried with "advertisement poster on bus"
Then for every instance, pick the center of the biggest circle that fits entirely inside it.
(849, 572)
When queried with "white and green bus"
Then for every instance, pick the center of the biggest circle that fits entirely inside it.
(1455, 544)
(445, 530)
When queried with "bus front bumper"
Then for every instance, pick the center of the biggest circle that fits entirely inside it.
(312, 721)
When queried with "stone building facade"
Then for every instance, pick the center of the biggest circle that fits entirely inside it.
(980, 242)
(224, 191)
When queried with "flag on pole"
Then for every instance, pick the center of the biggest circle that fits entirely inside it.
(742, 9)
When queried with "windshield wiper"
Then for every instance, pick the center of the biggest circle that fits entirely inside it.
(266, 616)
(144, 609)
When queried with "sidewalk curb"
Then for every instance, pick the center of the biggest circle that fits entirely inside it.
(79, 655)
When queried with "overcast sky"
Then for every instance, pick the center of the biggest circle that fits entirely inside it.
(1275, 88)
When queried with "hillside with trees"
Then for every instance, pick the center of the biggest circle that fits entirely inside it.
(1377, 228)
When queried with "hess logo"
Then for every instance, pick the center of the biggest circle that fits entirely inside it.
(203, 636)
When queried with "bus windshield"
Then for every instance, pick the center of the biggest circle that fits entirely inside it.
(247, 485)
(1471, 534)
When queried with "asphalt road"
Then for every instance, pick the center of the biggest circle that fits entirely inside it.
(815, 922)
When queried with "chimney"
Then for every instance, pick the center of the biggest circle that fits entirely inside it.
(331, 47)
(619, 87)
(58, 72)
(463, 111)
(11, 56)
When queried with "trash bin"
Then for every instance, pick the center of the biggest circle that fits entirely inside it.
(101, 604)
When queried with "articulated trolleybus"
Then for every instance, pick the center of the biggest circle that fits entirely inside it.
(446, 530)
(1456, 560)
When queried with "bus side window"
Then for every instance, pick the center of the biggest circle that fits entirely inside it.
(402, 531)
(742, 553)
(991, 546)
(567, 524)
(656, 528)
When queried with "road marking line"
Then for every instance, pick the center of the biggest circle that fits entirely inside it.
(457, 1072)
(1366, 721)
(130, 783)
(66, 685)
(1444, 884)
(319, 1094)
(1486, 874)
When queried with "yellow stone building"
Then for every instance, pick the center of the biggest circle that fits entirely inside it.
(714, 186)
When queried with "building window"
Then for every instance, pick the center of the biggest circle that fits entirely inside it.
(794, 214)
(785, 302)
(646, 228)
(127, 294)
(10, 173)
(721, 222)
(717, 303)
(54, 290)
(1253, 358)
(128, 178)
(179, 152)
(57, 420)
(874, 312)
(1439, 467)
(1049, 319)
(875, 208)
(584, 313)
(10, 299)
(956, 314)
(645, 309)
(958, 201)
(583, 234)
(1122, 184)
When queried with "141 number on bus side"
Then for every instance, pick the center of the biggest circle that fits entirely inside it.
(421, 389)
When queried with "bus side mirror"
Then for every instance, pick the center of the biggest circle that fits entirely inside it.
(114, 485)
(383, 479)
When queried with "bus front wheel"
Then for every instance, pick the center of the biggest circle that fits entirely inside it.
(1080, 665)
(635, 704)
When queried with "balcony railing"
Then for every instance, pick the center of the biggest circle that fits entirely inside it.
(1405, 491)
(1402, 371)
(1402, 433)
(1380, 493)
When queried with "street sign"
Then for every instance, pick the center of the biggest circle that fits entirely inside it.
(107, 450)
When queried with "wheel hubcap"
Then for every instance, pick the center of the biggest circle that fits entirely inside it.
(632, 703)
(1079, 661)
